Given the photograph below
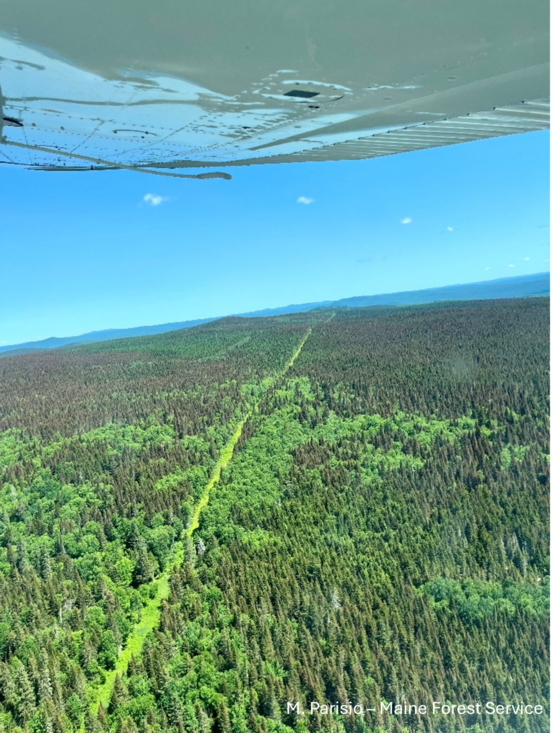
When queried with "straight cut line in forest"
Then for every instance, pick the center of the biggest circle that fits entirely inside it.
(150, 617)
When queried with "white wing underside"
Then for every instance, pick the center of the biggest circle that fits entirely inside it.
(203, 88)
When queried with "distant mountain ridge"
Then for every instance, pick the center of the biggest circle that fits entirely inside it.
(109, 334)
(507, 287)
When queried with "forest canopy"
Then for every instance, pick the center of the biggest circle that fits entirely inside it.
(342, 506)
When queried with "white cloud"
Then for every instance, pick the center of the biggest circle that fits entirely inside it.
(450, 229)
(406, 220)
(526, 259)
(153, 199)
(305, 200)
(488, 268)
(511, 265)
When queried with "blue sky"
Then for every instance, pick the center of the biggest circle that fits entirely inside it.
(86, 251)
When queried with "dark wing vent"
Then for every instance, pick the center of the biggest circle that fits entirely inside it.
(301, 93)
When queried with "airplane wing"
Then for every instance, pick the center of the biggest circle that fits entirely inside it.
(186, 85)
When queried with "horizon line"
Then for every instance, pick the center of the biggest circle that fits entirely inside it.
(279, 307)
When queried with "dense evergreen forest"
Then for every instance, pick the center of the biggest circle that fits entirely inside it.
(339, 507)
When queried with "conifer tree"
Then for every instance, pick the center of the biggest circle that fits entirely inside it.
(102, 718)
(224, 724)
(119, 695)
(143, 572)
(24, 691)
(90, 724)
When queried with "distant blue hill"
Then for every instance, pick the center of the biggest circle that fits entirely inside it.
(508, 287)
(521, 286)
(108, 335)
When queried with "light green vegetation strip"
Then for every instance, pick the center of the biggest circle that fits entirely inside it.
(227, 451)
(296, 354)
(150, 616)
(224, 459)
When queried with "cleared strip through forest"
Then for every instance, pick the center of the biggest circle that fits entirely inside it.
(150, 616)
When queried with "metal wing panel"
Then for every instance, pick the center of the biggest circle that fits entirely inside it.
(510, 120)
(191, 85)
